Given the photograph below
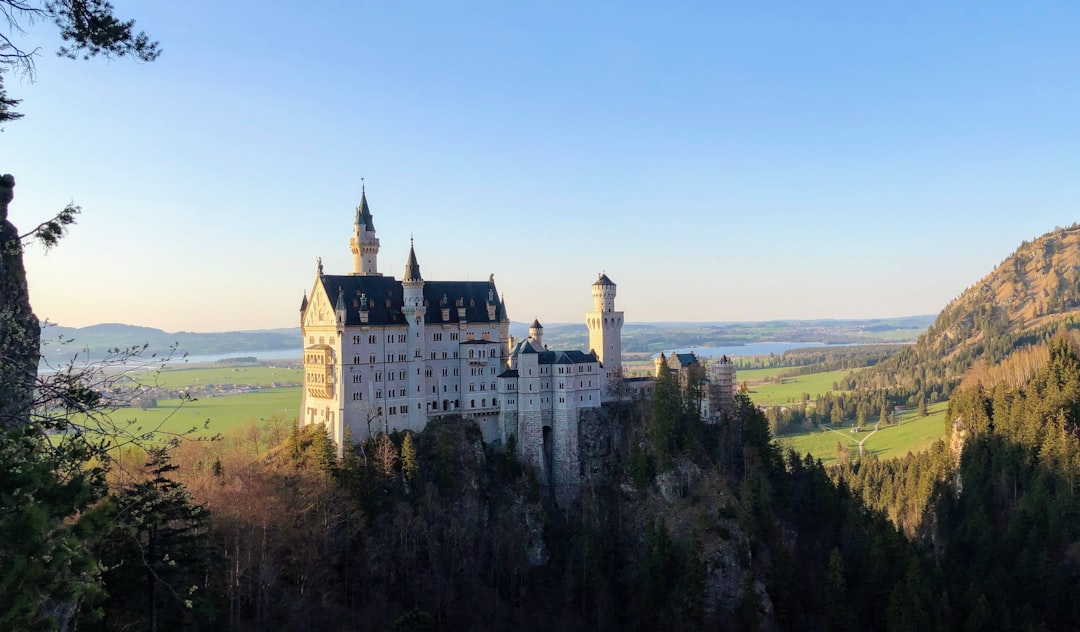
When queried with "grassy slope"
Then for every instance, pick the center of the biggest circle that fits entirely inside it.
(912, 435)
(792, 388)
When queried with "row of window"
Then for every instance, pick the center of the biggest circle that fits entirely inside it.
(390, 338)
(446, 404)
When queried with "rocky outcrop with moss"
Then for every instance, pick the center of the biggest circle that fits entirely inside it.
(20, 332)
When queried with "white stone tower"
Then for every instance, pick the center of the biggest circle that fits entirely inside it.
(413, 309)
(536, 334)
(605, 327)
(364, 244)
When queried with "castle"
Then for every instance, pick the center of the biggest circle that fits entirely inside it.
(382, 355)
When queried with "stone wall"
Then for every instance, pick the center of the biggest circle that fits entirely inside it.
(565, 460)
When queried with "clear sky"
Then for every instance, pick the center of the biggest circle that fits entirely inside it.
(754, 162)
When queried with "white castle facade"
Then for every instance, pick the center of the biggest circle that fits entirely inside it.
(382, 355)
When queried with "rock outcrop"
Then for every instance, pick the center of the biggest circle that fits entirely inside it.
(20, 333)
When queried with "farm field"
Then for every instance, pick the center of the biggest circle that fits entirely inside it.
(179, 377)
(753, 375)
(912, 435)
(224, 412)
(791, 388)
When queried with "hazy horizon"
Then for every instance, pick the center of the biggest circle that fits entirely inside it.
(513, 321)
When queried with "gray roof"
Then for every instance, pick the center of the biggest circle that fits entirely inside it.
(566, 357)
(412, 268)
(363, 214)
(604, 280)
(508, 373)
(685, 359)
(536, 324)
(385, 299)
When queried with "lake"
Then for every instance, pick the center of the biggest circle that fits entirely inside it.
(750, 349)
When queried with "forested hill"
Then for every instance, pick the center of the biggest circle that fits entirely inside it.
(1032, 293)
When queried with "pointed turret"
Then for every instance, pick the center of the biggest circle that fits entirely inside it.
(364, 245)
(363, 213)
(536, 332)
(303, 303)
(412, 268)
(413, 284)
(339, 307)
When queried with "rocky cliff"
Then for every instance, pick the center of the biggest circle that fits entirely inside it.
(19, 329)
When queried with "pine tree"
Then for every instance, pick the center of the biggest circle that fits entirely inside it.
(158, 555)
(47, 518)
(410, 462)
(666, 414)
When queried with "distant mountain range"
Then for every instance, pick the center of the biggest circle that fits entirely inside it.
(60, 344)
(654, 337)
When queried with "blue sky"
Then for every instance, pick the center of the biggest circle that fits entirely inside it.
(771, 161)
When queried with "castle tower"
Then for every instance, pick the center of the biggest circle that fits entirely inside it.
(536, 334)
(414, 310)
(605, 327)
(364, 244)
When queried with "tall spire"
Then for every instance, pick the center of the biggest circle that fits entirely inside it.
(363, 213)
(412, 268)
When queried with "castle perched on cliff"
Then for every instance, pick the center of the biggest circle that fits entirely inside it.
(382, 354)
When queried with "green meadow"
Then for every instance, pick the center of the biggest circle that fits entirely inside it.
(912, 433)
(790, 389)
(756, 375)
(183, 376)
(223, 412)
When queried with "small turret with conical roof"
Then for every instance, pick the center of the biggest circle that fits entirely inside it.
(412, 268)
(339, 307)
(536, 333)
(414, 311)
(413, 283)
(603, 291)
(364, 245)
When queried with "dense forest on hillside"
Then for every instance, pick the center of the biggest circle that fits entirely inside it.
(437, 531)
(1031, 295)
(695, 526)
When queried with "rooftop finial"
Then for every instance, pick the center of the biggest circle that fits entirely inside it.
(318, 264)
(362, 189)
